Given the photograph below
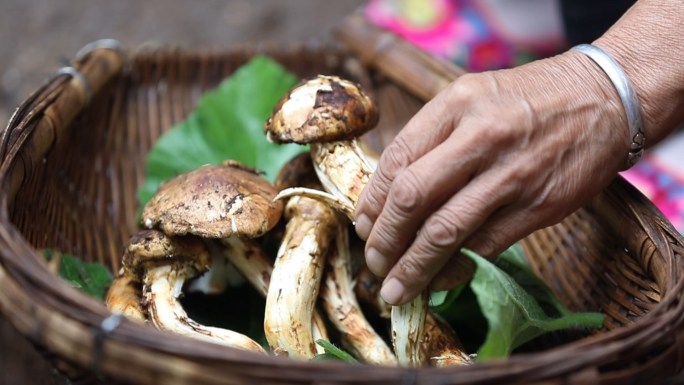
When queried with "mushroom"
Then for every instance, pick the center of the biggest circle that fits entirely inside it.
(329, 113)
(295, 279)
(124, 297)
(339, 301)
(229, 202)
(164, 264)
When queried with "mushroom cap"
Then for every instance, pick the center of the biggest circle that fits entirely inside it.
(322, 109)
(215, 201)
(148, 248)
(298, 172)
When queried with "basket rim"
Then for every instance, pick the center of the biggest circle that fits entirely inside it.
(20, 265)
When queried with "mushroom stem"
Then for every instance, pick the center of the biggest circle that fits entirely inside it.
(408, 322)
(296, 277)
(344, 311)
(163, 264)
(124, 297)
(440, 341)
(163, 285)
(250, 260)
(343, 169)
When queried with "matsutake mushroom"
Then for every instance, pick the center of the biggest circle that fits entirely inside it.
(295, 279)
(329, 113)
(164, 264)
(229, 202)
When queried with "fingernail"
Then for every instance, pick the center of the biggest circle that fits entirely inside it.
(392, 291)
(363, 226)
(376, 262)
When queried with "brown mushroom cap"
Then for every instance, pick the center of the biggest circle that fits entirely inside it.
(323, 109)
(298, 172)
(215, 201)
(148, 248)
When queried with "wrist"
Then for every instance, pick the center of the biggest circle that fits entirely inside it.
(648, 45)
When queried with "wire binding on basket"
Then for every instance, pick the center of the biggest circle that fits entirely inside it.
(99, 44)
(84, 82)
(107, 326)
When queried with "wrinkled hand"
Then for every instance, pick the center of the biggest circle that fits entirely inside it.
(490, 159)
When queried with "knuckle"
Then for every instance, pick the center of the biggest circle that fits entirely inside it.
(395, 158)
(441, 231)
(413, 267)
(406, 194)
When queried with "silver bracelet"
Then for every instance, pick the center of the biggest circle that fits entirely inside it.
(627, 95)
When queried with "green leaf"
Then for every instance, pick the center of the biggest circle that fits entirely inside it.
(514, 263)
(441, 300)
(333, 352)
(226, 124)
(513, 315)
(90, 277)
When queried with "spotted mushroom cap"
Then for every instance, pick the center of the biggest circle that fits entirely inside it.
(323, 109)
(298, 172)
(215, 201)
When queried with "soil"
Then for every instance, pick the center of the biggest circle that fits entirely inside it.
(37, 37)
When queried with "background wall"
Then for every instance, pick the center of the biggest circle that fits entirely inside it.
(39, 36)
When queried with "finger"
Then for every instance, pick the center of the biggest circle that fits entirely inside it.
(416, 193)
(429, 127)
(442, 234)
(458, 270)
(503, 229)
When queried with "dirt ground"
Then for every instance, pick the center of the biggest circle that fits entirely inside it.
(39, 36)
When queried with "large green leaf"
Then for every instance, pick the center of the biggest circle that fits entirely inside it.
(227, 123)
(513, 315)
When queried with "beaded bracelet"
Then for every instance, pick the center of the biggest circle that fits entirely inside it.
(627, 95)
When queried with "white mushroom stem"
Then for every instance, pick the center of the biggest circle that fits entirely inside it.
(408, 322)
(344, 311)
(296, 277)
(250, 260)
(343, 168)
(440, 342)
(162, 287)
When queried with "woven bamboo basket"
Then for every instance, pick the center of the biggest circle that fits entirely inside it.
(72, 157)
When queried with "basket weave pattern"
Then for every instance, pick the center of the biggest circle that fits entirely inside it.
(72, 158)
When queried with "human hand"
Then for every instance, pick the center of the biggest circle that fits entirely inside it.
(490, 159)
